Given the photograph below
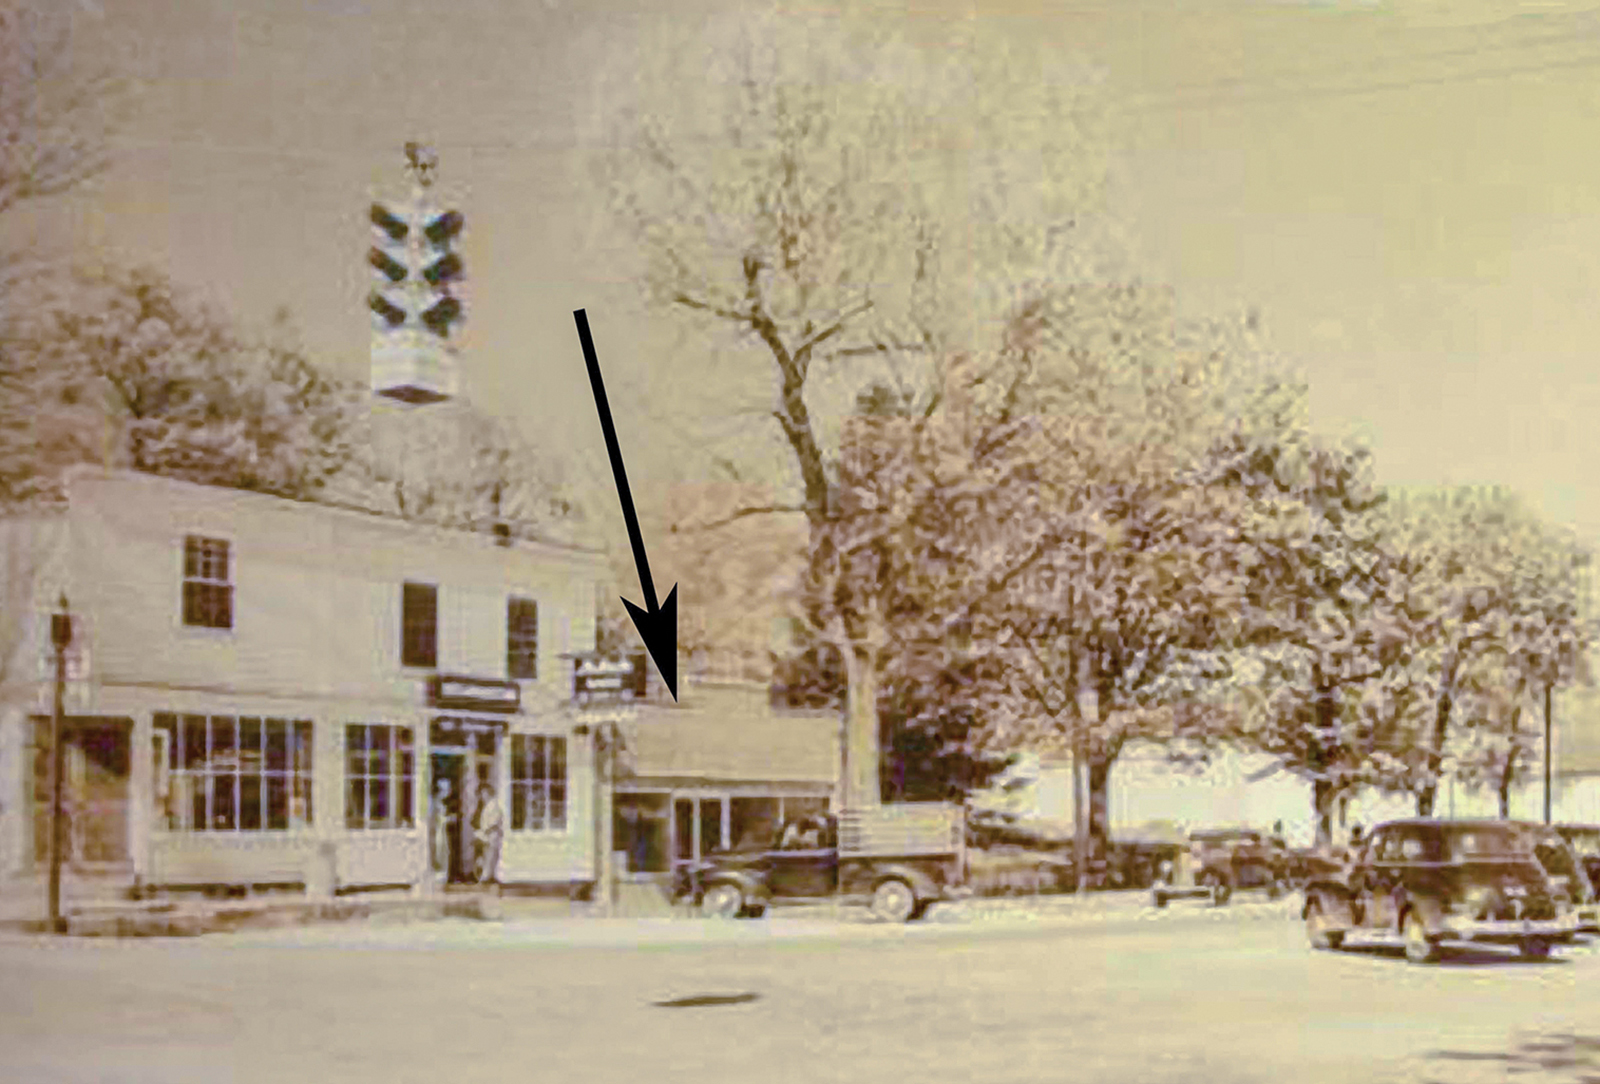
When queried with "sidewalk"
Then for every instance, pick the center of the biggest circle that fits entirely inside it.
(102, 910)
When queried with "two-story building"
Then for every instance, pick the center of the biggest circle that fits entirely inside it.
(265, 691)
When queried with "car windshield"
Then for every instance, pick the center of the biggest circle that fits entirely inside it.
(1585, 843)
(1553, 854)
(1486, 842)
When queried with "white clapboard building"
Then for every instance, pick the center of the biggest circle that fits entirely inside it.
(265, 691)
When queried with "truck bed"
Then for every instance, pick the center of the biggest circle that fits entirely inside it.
(910, 829)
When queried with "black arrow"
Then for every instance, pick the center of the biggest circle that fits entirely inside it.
(658, 626)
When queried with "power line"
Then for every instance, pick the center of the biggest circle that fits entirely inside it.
(1268, 80)
(1269, 94)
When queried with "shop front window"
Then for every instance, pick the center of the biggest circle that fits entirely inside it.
(380, 776)
(753, 822)
(538, 783)
(229, 774)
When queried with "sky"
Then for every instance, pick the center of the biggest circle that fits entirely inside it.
(1407, 192)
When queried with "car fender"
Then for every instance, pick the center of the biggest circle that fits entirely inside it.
(1431, 910)
(752, 887)
(920, 882)
(1334, 892)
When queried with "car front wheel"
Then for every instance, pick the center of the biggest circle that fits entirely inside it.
(722, 901)
(1419, 948)
(894, 901)
(1320, 929)
(1536, 949)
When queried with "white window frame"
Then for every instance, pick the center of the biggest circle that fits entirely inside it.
(401, 815)
(524, 785)
(204, 576)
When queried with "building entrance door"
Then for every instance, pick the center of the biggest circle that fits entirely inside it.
(96, 765)
(465, 753)
(447, 768)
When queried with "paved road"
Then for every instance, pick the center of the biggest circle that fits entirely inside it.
(1185, 999)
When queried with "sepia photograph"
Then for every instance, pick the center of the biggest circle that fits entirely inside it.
(956, 541)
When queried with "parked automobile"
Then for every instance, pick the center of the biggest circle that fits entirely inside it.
(1585, 840)
(1567, 875)
(899, 859)
(1433, 883)
(1219, 862)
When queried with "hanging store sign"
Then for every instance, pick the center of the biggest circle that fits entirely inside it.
(596, 679)
(475, 694)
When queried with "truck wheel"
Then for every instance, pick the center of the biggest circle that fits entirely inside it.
(1419, 950)
(1220, 889)
(1159, 899)
(1319, 929)
(894, 901)
(722, 901)
(1536, 948)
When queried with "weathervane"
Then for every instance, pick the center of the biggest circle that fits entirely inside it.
(422, 163)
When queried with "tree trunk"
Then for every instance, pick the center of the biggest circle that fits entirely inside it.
(1100, 798)
(1323, 796)
(861, 787)
(1508, 771)
(1428, 795)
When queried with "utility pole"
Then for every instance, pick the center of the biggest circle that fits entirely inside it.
(1547, 760)
(61, 639)
(1088, 707)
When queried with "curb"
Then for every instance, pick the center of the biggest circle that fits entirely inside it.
(174, 920)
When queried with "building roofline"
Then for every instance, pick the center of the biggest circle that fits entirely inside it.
(329, 507)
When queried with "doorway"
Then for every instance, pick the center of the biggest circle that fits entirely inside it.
(96, 768)
(449, 767)
(464, 753)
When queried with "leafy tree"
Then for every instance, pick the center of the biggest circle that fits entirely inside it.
(57, 110)
(835, 208)
(121, 368)
(1542, 641)
(455, 466)
(1472, 547)
(1113, 635)
(1328, 673)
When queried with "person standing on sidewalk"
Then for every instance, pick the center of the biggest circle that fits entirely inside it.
(439, 820)
(488, 832)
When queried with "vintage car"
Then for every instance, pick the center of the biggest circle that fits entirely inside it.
(1585, 840)
(899, 859)
(1560, 860)
(1432, 883)
(1219, 862)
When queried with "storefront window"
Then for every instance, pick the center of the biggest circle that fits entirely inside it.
(379, 776)
(753, 822)
(228, 774)
(641, 831)
(538, 783)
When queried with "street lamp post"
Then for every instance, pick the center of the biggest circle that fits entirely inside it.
(61, 639)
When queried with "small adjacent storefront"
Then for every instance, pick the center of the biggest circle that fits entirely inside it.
(719, 769)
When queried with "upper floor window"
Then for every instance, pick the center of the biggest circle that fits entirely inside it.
(207, 583)
(419, 625)
(522, 639)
